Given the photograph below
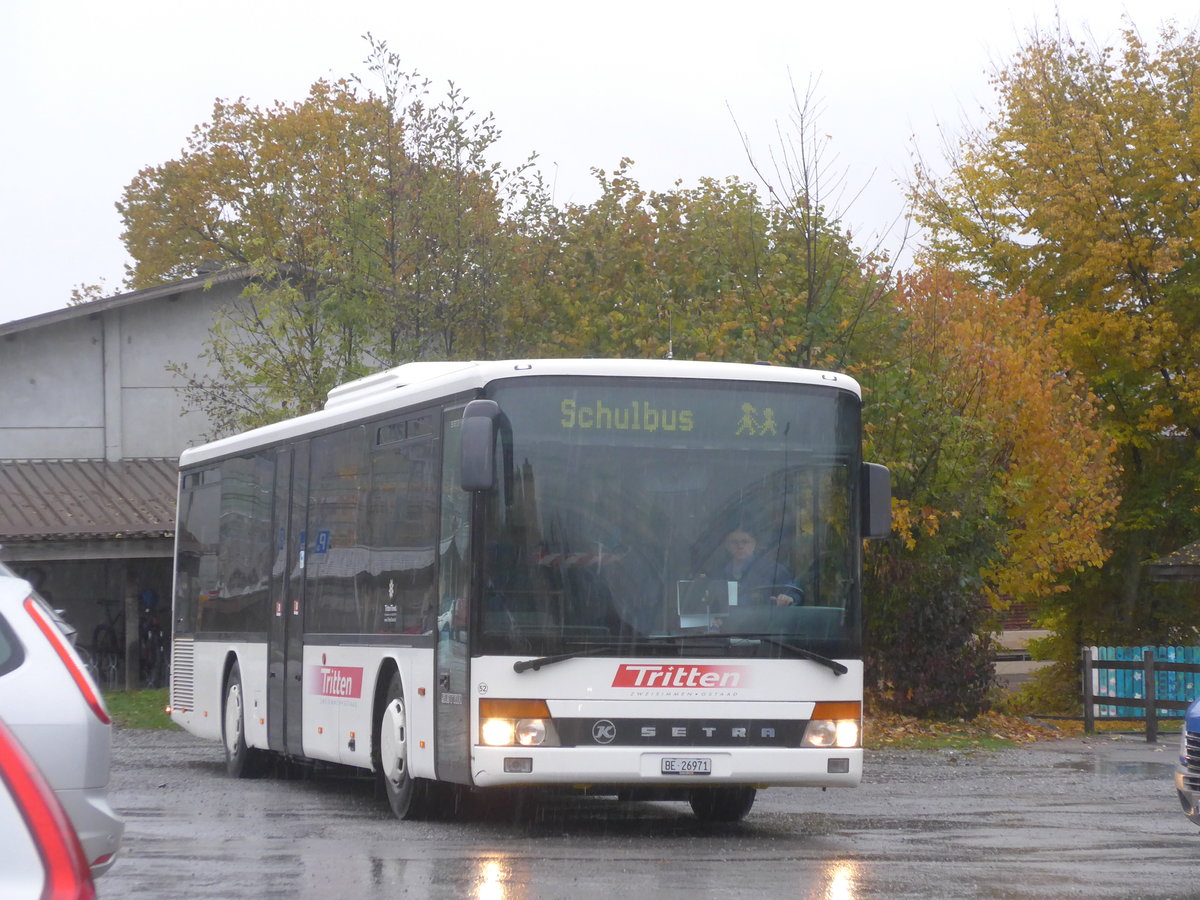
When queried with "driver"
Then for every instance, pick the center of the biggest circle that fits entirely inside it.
(759, 578)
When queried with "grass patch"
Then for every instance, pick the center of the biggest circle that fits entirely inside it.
(139, 709)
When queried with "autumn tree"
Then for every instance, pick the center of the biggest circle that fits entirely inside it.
(1084, 192)
(88, 293)
(437, 233)
(643, 273)
(706, 272)
(262, 191)
(372, 226)
(1003, 486)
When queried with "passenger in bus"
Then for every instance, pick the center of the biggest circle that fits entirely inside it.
(760, 578)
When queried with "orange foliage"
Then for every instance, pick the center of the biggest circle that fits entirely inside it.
(1000, 373)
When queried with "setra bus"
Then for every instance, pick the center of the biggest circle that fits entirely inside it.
(639, 578)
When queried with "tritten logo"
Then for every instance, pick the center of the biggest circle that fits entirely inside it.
(677, 675)
(335, 681)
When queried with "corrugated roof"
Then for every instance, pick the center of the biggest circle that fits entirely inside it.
(87, 498)
(93, 307)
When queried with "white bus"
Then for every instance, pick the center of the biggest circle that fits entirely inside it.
(641, 578)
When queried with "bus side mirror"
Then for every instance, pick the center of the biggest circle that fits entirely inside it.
(877, 501)
(477, 463)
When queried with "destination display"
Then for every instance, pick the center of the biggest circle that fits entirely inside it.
(660, 413)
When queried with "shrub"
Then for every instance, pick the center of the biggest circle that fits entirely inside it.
(928, 652)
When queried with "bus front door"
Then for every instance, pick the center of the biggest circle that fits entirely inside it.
(452, 713)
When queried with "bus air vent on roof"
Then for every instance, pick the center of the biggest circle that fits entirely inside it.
(389, 380)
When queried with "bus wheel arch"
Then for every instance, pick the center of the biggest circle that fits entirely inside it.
(390, 750)
(241, 761)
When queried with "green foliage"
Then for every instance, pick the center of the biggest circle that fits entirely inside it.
(373, 228)
(274, 353)
(1050, 691)
(929, 653)
(710, 272)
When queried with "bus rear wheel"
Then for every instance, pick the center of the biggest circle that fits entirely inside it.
(722, 804)
(240, 761)
(407, 796)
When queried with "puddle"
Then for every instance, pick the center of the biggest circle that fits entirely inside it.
(1121, 768)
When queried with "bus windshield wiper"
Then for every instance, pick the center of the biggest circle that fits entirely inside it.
(802, 652)
(523, 665)
(837, 667)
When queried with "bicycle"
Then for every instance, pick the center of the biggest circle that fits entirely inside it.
(152, 643)
(108, 645)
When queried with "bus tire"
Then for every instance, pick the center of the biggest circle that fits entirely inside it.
(240, 761)
(407, 796)
(722, 804)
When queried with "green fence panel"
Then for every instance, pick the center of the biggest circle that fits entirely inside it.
(1130, 683)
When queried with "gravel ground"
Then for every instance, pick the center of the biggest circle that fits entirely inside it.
(1089, 818)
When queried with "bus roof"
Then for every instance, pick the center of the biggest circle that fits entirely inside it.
(415, 383)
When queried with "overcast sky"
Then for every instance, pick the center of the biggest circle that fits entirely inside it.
(99, 90)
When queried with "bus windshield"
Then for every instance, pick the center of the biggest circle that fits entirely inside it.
(633, 515)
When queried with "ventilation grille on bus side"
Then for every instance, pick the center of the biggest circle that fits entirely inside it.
(183, 653)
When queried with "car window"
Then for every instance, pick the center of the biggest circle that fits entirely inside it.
(12, 654)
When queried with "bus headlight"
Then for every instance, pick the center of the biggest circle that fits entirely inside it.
(497, 732)
(834, 724)
(516, 723)
(531, 732)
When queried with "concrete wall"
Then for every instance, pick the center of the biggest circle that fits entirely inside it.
(53, 389)
(94, 385)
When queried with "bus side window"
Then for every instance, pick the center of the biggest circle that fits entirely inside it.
(402, 529)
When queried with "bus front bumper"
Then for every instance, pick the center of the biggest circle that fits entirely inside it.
(762, 767)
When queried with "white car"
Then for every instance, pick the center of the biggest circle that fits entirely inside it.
(52, 704)
(42, 855)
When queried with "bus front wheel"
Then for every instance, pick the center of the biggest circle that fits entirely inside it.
(406, 795)
(722, 804)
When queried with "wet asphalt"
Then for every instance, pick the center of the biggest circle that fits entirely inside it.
(1074, 818)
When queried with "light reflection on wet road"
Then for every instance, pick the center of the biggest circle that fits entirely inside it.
(1072, 818)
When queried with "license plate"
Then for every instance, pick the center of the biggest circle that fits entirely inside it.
(686, 765)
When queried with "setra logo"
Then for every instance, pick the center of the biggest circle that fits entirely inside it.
(680, 675)
(335, 681)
